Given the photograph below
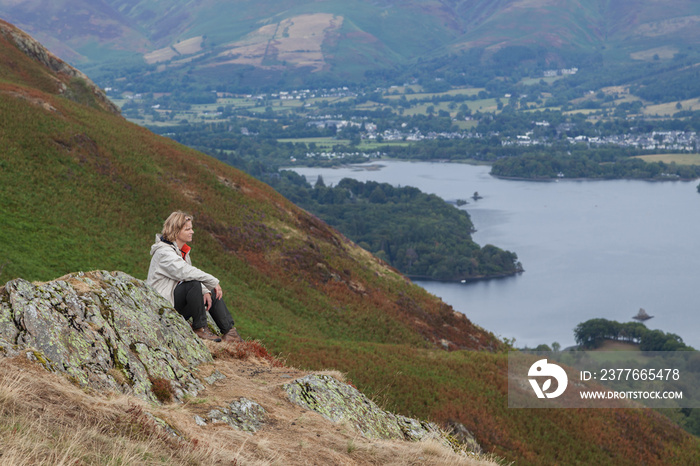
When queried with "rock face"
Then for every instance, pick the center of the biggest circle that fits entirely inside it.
(107, 331)
(339, 402)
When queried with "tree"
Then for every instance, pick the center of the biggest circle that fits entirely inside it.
(593, 332)
(378, 196)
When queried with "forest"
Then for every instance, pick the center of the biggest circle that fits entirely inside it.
(590, 164)
(419, 234)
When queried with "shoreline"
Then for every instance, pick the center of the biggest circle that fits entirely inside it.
(556, 180)
(377, 165)
(465, 280)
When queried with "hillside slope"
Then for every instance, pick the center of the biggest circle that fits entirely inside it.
(49, 421)
(132, 393)
(83, 189)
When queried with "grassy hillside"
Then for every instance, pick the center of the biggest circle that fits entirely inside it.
(82, 189)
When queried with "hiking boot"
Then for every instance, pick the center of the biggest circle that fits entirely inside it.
(232, 336)
(205, 334)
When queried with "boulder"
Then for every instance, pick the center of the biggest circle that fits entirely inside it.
(242, 414)
(340, 402)
(463, 436)
(104, 330)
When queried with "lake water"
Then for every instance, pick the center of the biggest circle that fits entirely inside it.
(589, 248)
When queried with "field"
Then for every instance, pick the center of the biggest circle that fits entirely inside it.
(403, 100)
(295, 41)
(669, 108)
(666, 52)
(468, 92)
(321, 143)
(680, 159)
(548, 80)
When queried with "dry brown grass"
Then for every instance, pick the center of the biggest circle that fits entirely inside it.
(666, 52)
(296, 40)
(185, 47)
(45, 420)
(667, 26)
(669, 108)
(680, 159)
(189, 46)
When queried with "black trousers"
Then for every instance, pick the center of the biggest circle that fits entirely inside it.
(189, 302)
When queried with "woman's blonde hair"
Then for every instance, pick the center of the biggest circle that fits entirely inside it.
(173, 224)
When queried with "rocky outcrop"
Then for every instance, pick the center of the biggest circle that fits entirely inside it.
(340, 402)
(73, 77)
(106, 331)
(463, 436)
(242, 414)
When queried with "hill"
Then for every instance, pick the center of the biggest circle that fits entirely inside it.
(83, 189)
(214, 38)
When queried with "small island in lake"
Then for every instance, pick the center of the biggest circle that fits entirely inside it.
(642, 315)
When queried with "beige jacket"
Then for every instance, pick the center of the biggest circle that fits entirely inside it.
(168, 269)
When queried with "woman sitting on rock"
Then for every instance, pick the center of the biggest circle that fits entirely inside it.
(190, 290)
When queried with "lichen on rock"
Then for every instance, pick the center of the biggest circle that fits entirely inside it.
(340, 402)
(105, 330)
(242, 414)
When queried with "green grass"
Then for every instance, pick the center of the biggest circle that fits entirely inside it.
(327, 143)
(466, 125)
(427, 96)
(548, 80)
(420, 103)
(321, 142)
(378, 146)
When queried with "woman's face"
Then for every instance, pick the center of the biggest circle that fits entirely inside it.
(185, 234)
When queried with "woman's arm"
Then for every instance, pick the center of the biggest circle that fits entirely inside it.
(174, 267)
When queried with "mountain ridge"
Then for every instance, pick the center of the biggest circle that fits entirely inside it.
(359, 37)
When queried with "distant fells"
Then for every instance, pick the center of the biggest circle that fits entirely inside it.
(350, 38)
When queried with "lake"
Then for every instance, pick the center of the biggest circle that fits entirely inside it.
(590, 249)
